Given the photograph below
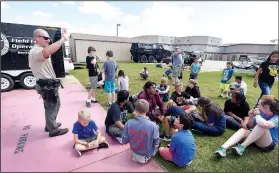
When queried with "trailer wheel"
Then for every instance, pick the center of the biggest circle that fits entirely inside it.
(151, 59)
(7, 83)
(28, 81)
(143, 59)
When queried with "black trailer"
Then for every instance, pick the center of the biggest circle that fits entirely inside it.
(16, 42)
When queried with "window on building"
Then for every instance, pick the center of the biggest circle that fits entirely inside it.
(178, 40)
(188, 40)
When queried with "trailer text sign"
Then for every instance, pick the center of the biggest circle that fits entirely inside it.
(19, 45)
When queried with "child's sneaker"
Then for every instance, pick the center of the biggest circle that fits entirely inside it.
(119, 139)
(103, 145)
(88, 104)
(165, 138)
(221, 151)
(239, 149)
(94, 101)
(79, 153)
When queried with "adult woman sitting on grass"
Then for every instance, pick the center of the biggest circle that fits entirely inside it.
(211, 120)
(264, 121)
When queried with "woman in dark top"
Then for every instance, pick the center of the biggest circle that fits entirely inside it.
(266, 73)
(236, 110)
(211, 120)
(192, 89)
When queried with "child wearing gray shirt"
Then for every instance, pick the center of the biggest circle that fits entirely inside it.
(142, 134)
(109, 69)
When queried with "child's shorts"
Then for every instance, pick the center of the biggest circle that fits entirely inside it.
(186, 107)
(189, 103)
(109, 86)
(169, 76)
(224, 86)
(90, 139)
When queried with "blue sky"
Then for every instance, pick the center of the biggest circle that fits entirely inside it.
(234, 22)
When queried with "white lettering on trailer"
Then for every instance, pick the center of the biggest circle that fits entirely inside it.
(4, 44)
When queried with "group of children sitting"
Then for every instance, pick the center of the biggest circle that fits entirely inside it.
(186, 111)
(260, 126)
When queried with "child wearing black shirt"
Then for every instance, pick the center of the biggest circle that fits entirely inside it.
(93, 72)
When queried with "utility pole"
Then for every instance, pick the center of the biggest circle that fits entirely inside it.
(117, 25)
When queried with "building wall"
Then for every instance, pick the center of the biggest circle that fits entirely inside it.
(121, 51)
(119, 45)
(249, 48)
(212, 46)
(147, 39)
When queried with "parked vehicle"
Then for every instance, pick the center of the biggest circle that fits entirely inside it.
(16, 42)
(246, 64)
(189, 57)
(142, 52)
(68, 64)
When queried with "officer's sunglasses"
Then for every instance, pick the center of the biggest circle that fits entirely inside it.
(46, 38)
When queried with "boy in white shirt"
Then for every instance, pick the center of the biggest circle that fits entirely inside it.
(239, 85)
(144, 73)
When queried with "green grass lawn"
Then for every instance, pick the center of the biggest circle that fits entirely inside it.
(253, 160)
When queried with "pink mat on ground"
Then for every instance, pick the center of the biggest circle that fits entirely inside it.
(22, 124)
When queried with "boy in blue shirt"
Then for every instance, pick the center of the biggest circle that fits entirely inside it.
(225, 81)
(182, 149)
(195, 68)
(87, 136)
(109, 68)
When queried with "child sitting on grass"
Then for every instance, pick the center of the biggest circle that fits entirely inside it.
(211, 120)
(169, 117)
(182, 99)
(182, 148)
(193, 90)
(87, 136)
(163, 89)
(264, 121)
(144, 73)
